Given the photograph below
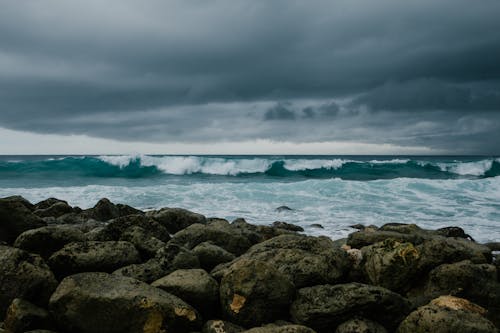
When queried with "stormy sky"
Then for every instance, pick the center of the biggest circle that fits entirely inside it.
(333, 76)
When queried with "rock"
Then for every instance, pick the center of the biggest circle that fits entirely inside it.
(195, 286)
(168, 259)
(55, 210)
(117, 227)
(47, 240)
(456, 303)
(357, 226)
(40, 331)
(93, 256)
(100, 302)
(272, 328)
(44, 204)
(324, 307)
(211, 255)
(493, 246)
(391, 264)
(402, 228)
(453, 232)
(198, 233)
(305, 260)
(287, 226)
(475, 282)
(444, 250)
(23, 275)
(360, 325)
(144, 241)
(23, 316)
(283, 209)
(317, 225)
(16, 217)
(221, 326)
(368, 237)
(254, 292)
(433, 318)
(176, 219)
(105, 210)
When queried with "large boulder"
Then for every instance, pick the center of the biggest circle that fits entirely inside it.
(360, 325)
(47, 240)
(211, 255)
(254, 292)
(324, 307)
(367, 237)
(168, 259)
(23, 275)
(391, 264)
(221, 326)
(287, 328)
(176, 219)
(100, 302)
(306, 261)
(144, 241)
(23, 316)
(55, 210)
(105, 210)
(16, 216)
(194, 286)
(93, 256)
(444, 319)
(44, 204)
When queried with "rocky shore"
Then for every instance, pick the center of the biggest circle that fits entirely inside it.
(113, 268)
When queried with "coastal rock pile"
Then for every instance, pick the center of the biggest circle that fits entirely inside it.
(113, 268)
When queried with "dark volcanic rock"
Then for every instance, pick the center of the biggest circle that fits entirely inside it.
(57, 209)
(105, 210)
(116, 227)
(16, 217)
(288, 328)
(453, 232)
(23, 275)
(93, 256)
(44, 204)
(324, 307)
(221, 326)
(168, 259)
(287, 226)
(390, 264)
(176, 219)
(211, 255)
(100, 302)
(253, 293)
(194, 286)
(283, 209)
(432, 318)
(23, 316)
(368, 237)
(47, 240)
(360, 325)
(143, 240)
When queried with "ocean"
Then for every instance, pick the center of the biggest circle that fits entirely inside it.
(334, 191)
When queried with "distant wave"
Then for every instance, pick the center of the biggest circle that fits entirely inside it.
(139, 166)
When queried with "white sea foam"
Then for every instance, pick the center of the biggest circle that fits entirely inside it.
(477, 168)
(393, 161)
(311, 164)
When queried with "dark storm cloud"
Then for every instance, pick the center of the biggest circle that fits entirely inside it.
(410, 73)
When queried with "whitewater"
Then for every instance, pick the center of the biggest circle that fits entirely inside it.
(334, 191)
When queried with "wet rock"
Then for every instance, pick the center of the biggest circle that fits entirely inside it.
(23, 316)
(493, 246)
(433, 318)
(456, 303)
(453, 232)
(357, 226)
(23, 275)
(168, 259)
(143, 240)
(254, 292)
(324, 307)
(105, 210)
(44, 204)
(194, 286)
(317, 225)
(93, 256)
(176, 219)
(117, 227)
(225, 238)
(283, 209)
(391, 264)
(100, 302)
(475, 282)
(16, 217)
(287, 226)
(55, 210)
(47, 240)
(304, 260)
(289, 328)
(360, 325)
(368, 237)
(211, 255)
(221, 326)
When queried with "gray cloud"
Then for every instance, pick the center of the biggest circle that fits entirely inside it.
(423, 73)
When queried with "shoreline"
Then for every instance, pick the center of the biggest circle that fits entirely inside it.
(113, 268)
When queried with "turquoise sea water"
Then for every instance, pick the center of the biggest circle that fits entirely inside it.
(335, 191)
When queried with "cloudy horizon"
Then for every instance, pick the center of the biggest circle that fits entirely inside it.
(250, 77)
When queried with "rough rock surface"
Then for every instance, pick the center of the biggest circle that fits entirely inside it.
(93, 256)
(195, 286)
(360, 325)
(23, 275)
(253, 292)
(221, 326)
(211, 255)
(176, 219)
(16, 217)
(23, 316)
(324, 307)
(288, 328)
(47, 240)
(101, 302)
